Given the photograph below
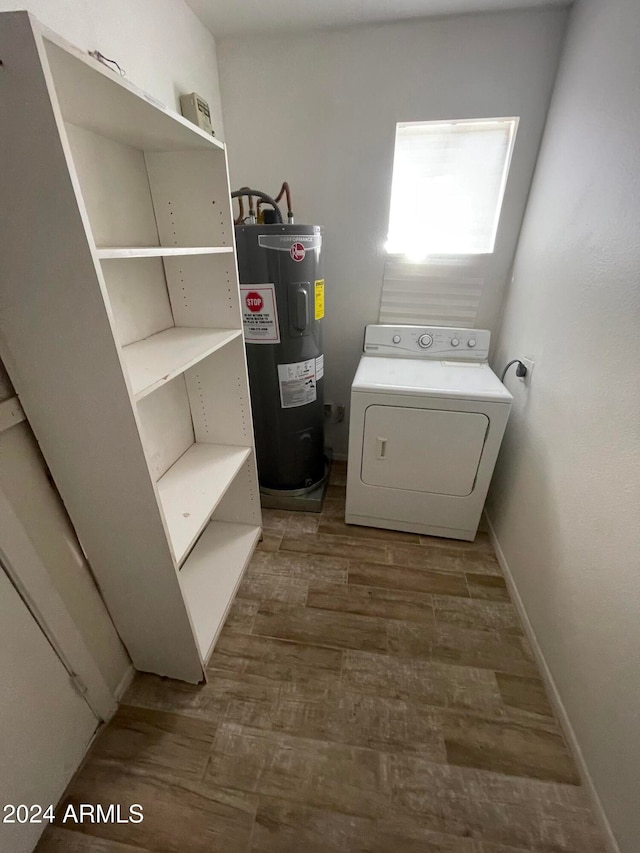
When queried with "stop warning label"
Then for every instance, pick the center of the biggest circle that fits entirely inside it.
(254, 302)
(260, 314)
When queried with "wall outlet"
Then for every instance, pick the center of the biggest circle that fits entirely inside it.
(529, 365)
(333, 413)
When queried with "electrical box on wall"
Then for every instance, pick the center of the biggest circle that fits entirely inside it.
(196, 109)
(529, 365)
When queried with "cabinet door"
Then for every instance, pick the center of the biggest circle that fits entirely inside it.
(46, 725)
(422, 450)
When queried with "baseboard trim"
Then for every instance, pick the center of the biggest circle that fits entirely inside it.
(124, 683)
(554, 695)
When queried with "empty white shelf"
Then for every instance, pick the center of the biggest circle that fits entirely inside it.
(111, 252)
(191, 489)
(92, 96)
(211, 575)
(157, 359)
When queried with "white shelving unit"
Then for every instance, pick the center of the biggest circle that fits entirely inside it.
(120, 325)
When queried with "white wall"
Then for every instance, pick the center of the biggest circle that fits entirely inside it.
(566, 497)
(320, 111)
(164, 49)
(161, 44)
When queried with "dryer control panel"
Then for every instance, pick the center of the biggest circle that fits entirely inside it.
(435, 342)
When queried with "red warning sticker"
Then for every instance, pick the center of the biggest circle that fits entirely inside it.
(297, 252)
(260, 314)
(254, 301)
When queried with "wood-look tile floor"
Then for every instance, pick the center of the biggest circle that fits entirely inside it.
(371, 692)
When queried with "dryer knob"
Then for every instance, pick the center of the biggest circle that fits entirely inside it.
(425, 341)
(396, 339)
(471, 342)
(455, 342)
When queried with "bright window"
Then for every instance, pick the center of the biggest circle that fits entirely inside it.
(448, 184)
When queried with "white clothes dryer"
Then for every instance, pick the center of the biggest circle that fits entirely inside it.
(427, 418)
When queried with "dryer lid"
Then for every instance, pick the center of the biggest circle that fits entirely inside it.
(425, 378)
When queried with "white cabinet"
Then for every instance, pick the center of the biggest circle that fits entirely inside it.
(120, 325)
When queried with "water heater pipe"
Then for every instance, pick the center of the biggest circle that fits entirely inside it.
(246, 191)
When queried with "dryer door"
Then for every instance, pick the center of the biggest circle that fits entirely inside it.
(422, 450)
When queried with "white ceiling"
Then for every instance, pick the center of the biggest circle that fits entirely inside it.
(243, 17)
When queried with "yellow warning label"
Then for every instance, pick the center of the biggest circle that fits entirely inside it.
(320, 299)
